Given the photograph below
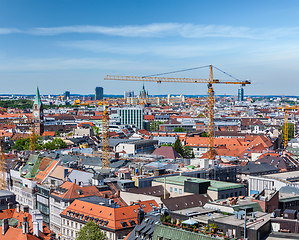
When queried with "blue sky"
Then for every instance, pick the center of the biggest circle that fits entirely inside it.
(72, 45)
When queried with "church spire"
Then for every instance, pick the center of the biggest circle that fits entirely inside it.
(37, 98)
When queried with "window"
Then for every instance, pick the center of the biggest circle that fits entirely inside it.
(240, 193)
(170, 189)
(175, 190)
(236, 194)
(160, 238)
(226, 195)
(222, 196)
(67, 223)
(180, 191)
(63, 221)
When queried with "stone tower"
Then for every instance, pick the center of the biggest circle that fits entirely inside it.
(37, 115)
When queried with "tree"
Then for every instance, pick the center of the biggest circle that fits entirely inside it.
(179, 129)
(178, 147)
(57, 133)
(96, 130)
(290, 131)
(23, 144)
(57, 143)
(204, 134)
(91, 231)
(155, 125)
(188, 152)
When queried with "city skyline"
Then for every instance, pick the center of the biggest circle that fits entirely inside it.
(62, 46)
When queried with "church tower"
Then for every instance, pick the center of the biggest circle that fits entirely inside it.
(37, 115)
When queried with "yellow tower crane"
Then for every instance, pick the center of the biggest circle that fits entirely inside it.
(210, 97)
(286, 122)
(105, 135)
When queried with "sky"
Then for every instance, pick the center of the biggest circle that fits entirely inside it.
(70, 45)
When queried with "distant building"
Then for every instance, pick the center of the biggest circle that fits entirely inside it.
(132, 116)
(143, 93)
(128, 94)
(67, 95)
(98, 93)
(241, 94)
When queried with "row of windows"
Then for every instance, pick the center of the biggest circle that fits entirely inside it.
(71, 223)
(231, 195)
(176, 190)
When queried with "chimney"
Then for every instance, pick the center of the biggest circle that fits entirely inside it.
(39, 220)
(9, 205)
(4, 226)
(65, 172)
(35, 229)
(18, 208)
(140, 215)
(25, 226)
(26, 209)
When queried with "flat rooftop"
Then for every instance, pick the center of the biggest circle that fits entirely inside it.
(260, 220)
(214, 185)
(246, 202)
(286, 176)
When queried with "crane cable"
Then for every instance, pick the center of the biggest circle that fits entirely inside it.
(191, 69)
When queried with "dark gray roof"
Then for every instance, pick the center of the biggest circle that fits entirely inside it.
(252, 168)
(152, 191)
(184, 202)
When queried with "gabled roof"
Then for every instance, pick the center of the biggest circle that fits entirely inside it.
(69, 190)
(108, 217)
(167, 152)
(184, 202)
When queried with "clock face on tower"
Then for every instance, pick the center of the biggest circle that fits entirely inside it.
(35, 114)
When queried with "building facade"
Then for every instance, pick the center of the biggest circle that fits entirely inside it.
(98, 93)
(132, 116)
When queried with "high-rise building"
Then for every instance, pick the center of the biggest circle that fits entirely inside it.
(240, 94)
(37, 112)
(132, 116)
(98, 93)
(67, 95)
(128, 94)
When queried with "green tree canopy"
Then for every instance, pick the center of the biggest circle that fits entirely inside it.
(179, 129)
(57, 143)
(91, 231)
(155, 125)
(204, 134)
(291, 131)
(23, 144)
(183, 151)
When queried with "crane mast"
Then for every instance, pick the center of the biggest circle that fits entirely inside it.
(210, 95)
(286, 122)
(105, 137)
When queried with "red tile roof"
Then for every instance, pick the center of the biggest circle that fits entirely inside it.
(69, 190)
(114, 216)
(167, 152)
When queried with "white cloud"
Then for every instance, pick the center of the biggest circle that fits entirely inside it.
(172, 29)
(164, 49)
(9, 30)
